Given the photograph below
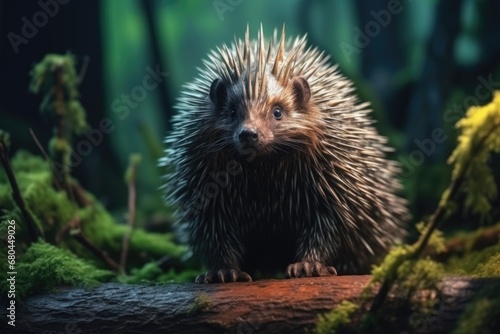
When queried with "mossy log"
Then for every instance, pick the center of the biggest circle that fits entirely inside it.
(267, 306)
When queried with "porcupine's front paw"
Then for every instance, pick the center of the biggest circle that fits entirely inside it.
(223, 276)
(309, 269)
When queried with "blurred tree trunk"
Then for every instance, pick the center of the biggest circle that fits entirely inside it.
(383, 57)
(432, 89)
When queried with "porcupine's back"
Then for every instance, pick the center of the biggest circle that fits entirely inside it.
(329, 158)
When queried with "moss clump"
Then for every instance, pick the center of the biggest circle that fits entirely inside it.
(482, 263)
(336, 320)
(479, 138)
(483, 314)
(52, 210)
(45, 267)
(411, 277)
(491, 268)
(56, 79)
(144, 246)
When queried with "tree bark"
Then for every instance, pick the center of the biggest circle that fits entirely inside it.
(267, 306)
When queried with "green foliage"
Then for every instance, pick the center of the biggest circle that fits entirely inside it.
(45, 267)
(335, 320)
(483, 314)
(480, 136)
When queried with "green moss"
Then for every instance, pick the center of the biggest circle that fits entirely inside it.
(50, 208)
(482, 263)
(335, 320)
(144, 246)
(479, 138)
(45, 267)
(53, 210)
(491, 268)
(409, 276)
(53, 75)
(483, 314)
(150, 273)
(390, 264)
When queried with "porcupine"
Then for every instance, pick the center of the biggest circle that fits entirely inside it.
(274, 162)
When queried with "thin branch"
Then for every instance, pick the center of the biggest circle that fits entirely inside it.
(75, 190)
(87, 243)
(132, 197)
(83, 69)
(46, 156)
(16, 194)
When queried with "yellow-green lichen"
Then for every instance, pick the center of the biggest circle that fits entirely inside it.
(201, 303)
(336, 320)
(479, 138)
(481, 263)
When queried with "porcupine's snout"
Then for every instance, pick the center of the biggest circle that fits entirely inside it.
(248, 136)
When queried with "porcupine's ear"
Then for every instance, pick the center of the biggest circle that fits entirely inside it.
(301, 91)
(218, 92)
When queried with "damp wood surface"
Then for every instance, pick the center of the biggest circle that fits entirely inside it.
(266, 306)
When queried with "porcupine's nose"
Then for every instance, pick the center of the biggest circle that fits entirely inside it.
(249, 136)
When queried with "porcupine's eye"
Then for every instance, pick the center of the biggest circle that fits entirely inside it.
(277, 113)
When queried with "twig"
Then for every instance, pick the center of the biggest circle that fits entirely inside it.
(82, 239)
(46, 156)
(75, 190)
(132, 196)
(16, 194)
(483, 238)
(83, 69)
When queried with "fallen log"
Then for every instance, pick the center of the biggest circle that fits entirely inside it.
(267, 306)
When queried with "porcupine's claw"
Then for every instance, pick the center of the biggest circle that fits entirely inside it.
(309, 269)
(223, 276)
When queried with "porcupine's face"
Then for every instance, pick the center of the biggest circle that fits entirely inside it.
(276, 123)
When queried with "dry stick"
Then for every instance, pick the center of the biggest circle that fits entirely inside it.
(16, 194)
(132, 195)
(76, 190)
(81, 238)
(44, 153)
(434, 222)
(60, 127)
(83, 69)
